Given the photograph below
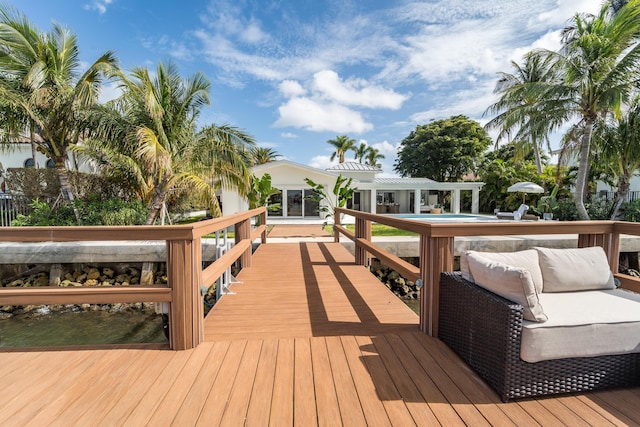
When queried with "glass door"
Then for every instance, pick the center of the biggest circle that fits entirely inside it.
(311, 207)
(276, 199)
(294, 202)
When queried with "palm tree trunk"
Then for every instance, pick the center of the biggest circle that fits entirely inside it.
(583, 170)
(536, 152)
(32, 138)
(65, 186)
(621, 194)
(155, 206)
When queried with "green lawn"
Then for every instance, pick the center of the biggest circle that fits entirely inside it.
(384, 230)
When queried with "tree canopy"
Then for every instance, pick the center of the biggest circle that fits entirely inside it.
(443, 150)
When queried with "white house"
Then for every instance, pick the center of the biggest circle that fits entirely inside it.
(20, 155)
(375, 195)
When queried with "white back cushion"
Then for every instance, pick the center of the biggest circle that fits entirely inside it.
(569, 270)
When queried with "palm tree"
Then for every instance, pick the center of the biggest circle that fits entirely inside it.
(599, 65)
(149, 138)
(262, 155)
(361, 152)
(617, 143)
(373, 155)
(342, 144)
(519, 108)
(40, 77)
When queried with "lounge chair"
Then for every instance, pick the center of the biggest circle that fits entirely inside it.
(515, 215)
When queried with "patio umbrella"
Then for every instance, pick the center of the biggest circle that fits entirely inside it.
(525, 187)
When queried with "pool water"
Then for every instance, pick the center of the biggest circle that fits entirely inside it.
(81, 328)
(447, 217)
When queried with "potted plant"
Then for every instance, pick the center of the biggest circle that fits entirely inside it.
(548, 204)
(437, 208)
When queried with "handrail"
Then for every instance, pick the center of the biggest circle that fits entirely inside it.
(437, 247)
(185, 274)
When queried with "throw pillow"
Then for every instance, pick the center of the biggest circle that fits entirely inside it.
(513, 283)
(527, 259)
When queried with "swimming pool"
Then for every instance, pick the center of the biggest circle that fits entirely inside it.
(447, 217)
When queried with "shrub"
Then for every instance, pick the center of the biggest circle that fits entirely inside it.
(631, 211)
(94, 211)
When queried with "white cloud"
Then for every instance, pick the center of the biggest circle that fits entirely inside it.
(291, 88)
(471, 102)
(322, 162)
(354, 91)
(109, 92)
(288, 135)
(312, 115)
(329, 103)
(565, 9)
(253, 34)
(386, 148)
(99, 5)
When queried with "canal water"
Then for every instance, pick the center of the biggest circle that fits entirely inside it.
(81, 328)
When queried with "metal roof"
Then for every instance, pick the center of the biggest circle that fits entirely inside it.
(408, 181)
(354, 166)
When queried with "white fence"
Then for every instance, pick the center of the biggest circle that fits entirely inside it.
(10, 207)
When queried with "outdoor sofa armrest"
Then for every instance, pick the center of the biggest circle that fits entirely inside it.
(483, 328)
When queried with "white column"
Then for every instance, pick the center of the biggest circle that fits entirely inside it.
(416, 201)
(455, 201)
(475, 201)
(374, 194)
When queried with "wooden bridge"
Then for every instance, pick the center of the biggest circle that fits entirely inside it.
(309, 338)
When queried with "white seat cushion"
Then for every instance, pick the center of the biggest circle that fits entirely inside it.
(583, 324)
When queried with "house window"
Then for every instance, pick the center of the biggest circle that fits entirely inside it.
(50, 164)
(29, 163)
(386, 197)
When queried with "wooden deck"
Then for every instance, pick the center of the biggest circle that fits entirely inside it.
(308, 339)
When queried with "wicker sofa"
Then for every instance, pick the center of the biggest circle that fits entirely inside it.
(485, 330)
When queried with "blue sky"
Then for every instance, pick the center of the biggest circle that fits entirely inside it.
(295, 73)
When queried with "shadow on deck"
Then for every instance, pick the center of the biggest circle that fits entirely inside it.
(309, 338)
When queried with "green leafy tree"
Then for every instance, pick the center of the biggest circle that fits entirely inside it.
(501, 168)
(342, 191)
(598, 67)
(148, 138)
(443, 150)
(342, 145)
(617, 144)
(519, 111)
(262, 155)
(40, 77)
(261, 192)
(361, 152)
(372, 156)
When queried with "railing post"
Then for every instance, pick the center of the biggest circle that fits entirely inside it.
(436, 256)
(263, 221)
(612, 248)
(336, 222)
(242, 232)
(184, 270)
(363, 231)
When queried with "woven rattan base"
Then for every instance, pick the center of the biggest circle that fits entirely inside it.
(484, 329)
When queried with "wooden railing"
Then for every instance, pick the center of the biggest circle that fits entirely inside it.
(437, 248)
(185, 275)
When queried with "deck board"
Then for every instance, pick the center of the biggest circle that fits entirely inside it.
(309, 338)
